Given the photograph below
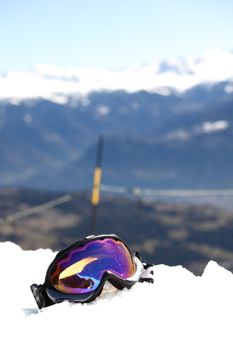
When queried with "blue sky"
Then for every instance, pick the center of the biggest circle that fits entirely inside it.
(110, 34)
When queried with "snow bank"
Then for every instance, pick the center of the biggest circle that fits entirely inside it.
(180, 311)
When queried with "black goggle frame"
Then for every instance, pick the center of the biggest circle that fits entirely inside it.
(46, 295)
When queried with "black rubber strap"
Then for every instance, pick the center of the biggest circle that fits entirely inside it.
(41, 296)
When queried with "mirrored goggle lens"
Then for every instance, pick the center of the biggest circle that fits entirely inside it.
(82, 268)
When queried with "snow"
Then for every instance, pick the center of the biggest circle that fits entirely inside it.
(209, 127)
(206, 127)
(179, 311)
(229, 89)
(57, 84)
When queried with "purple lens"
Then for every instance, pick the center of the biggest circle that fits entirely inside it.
(81, 269)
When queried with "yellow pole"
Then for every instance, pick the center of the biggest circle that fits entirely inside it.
(96, 186)
(95, 198)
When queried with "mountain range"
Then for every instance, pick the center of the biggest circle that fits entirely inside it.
(150, 140)
(163, 138)
(162, 76)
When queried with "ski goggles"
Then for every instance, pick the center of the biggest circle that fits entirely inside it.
(79, 272)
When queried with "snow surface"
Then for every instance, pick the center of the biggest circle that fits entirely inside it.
(179, 311)
(57, 84)
(206, 127)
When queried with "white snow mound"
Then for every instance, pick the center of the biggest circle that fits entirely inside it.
(179, 311)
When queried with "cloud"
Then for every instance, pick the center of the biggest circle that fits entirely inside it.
(56, 84)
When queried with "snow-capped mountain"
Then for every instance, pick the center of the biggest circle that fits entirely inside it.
(57, 84)
(166, 125)
(151, 140)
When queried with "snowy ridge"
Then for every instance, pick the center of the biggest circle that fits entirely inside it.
(57, 84)
(180, 311)
(205, 128)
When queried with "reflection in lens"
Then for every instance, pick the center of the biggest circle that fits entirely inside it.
(81, 269)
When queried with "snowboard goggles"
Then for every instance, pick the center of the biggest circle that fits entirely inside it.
(79, 272)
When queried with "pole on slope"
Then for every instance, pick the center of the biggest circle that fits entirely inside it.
(95, 198)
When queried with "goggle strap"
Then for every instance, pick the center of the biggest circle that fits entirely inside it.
(138, 255)
(40, 295)
(147, 274)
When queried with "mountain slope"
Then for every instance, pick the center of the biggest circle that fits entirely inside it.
(151, 140)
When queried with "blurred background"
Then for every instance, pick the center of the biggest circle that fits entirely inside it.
(141, 89)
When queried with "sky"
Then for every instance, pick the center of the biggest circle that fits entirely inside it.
(103, 34)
